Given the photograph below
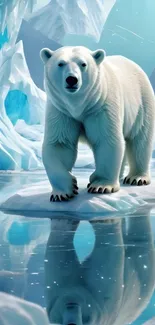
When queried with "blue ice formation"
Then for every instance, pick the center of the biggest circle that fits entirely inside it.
(59, 18)
(21, 104)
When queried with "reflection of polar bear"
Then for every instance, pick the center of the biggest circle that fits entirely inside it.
(109, 102)
(112, 286)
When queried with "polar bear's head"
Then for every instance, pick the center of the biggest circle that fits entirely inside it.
(72, 70)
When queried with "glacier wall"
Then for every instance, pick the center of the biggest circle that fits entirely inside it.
(22, 104)
(77, 17)
(17, 150)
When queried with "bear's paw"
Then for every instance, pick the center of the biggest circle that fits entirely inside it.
(137, 180)
(59, 196)
(102, 187)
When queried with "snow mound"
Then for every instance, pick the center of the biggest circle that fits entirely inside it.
(16, 311)
(18, 151)
(59, 18)
(35, 198)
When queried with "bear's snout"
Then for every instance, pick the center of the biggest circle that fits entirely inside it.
(71, 81)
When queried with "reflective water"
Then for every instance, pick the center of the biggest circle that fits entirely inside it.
(82, 272)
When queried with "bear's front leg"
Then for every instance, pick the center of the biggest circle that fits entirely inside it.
(59, 153)
(58, 160)
(107, 142)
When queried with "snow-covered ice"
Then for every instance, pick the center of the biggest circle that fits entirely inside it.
(33, 199)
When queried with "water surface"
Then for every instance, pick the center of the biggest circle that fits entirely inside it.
(102, 271)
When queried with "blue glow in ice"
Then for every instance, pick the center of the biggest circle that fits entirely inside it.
(4, 38)
(17, 107)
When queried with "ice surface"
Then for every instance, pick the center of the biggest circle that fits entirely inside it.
(16, 311)
(35, 198)
(81, 17)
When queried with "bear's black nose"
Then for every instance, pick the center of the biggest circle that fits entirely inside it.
(71, 81)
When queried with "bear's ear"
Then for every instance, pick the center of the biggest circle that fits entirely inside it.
(46, 54)
(99, 56)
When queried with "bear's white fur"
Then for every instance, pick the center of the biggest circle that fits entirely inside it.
(108, 101)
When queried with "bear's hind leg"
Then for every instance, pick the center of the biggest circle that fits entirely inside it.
(139, 152)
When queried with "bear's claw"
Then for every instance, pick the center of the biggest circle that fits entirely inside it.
(102, 189)
(137, 180)
(60, 198)
(57, 196)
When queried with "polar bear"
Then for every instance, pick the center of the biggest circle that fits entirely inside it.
(110, 103)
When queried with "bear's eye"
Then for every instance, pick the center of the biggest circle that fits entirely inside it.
(83, 65)
(61, 64)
